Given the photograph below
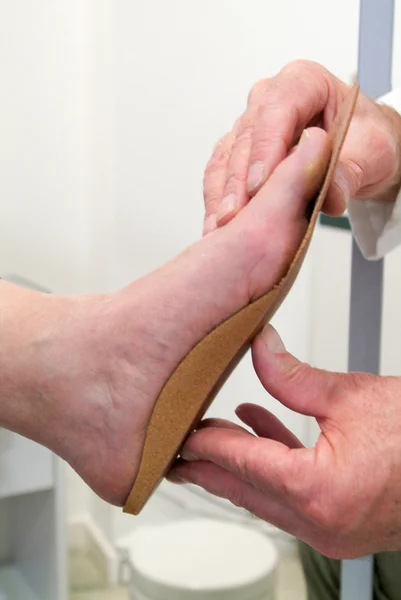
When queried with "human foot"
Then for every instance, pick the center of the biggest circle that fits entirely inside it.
(100, 362)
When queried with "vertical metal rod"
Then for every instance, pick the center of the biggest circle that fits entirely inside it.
(376, 33)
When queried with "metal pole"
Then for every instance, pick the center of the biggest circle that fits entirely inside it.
(374, 73)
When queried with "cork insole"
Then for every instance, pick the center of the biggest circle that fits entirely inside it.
(194, 384)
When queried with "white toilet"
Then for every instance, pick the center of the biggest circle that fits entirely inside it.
(202, 559)
(188, 545)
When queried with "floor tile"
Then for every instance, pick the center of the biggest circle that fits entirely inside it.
(109, 594)
(290, 579)
(84, 573)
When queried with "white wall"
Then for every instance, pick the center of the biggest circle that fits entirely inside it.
(46, 228)
(44, 233)
(108, 113)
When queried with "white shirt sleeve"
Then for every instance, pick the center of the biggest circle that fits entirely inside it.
(376, 226)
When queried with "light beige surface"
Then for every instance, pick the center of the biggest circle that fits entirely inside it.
(290, 584)
(117, 594)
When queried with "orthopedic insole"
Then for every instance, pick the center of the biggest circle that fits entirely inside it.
(194, 384)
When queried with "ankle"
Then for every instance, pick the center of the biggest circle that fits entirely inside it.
(47, 344)
(21, 312)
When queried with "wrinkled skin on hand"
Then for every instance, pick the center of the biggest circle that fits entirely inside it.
(343, 496)
(302, 94)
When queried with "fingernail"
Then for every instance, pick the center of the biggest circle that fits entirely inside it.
(304, 138)
(272, 340)
(256, 175)
(209, 224)
(187, 455)
(228, 206)
(175, 478)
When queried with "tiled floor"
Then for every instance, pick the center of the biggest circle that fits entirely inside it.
(290, 584)
(116, 594)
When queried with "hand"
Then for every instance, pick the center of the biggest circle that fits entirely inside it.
(279, 108)
(343, 497)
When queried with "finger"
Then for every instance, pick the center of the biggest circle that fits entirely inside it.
(267, 425)
(295, 384)
(213, 181)
(224, 484)
(215, 424)
(335, 204)
(235, 193)
(286, 194)
(339, 191)
(346, 182)
(296, 96)
(223, 424)
(350, 174)
(354, 176)
(215, 177)
(266, 464)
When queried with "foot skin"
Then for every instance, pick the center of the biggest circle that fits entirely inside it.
(98, 363)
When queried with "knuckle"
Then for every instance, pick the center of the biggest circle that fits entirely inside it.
(212, 197)
(298, 373)
(241, 463)
(244, 140)
(319, 512)
(257, 91)
(283, 110)
(260, 150)
(246, 126)
(212, 200)
(332, 513)
(212, 186)
(302, 78)
(210, 170)
(356, 175)
(275, 136)
(299, 66)
(221, 153)
(325, 516)
(213, 169)
(221, 157)
(235, 180)
(242, 144)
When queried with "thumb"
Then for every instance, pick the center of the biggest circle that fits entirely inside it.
(295, 384)
(362, 174)
(350, 174)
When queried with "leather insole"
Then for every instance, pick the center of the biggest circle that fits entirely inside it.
(194, 384)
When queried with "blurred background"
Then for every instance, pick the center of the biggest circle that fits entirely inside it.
(109, 111)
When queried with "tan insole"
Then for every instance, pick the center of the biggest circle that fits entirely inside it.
(194, 384)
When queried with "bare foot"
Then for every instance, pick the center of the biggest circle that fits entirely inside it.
(99, 362)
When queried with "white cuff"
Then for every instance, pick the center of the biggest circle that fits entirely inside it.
(376, 226)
